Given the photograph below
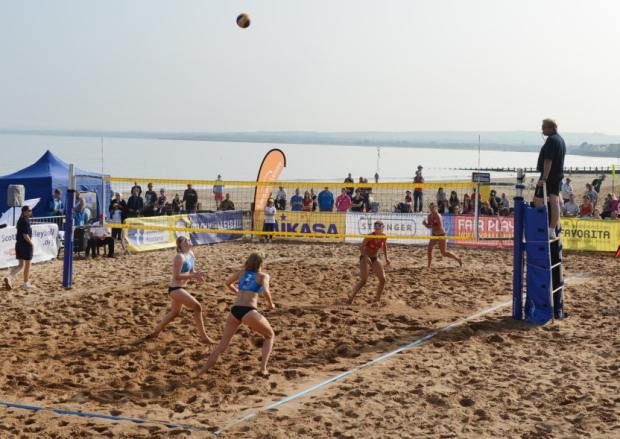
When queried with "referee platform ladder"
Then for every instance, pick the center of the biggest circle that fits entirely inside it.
(541, 256)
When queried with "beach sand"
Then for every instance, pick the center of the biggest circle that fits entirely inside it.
(83, 349)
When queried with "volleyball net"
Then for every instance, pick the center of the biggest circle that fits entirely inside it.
(156, 211)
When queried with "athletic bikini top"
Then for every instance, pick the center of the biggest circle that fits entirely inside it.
(188, 263)
(248, 283)
(433, 220)
(375, 243)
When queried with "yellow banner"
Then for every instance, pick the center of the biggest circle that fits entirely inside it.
(312, 224)
(141, 240)
(591, 235)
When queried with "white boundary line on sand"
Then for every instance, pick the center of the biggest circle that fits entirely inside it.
(343, 375)
(272, 406)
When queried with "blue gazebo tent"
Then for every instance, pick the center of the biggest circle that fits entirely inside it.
(48, 173)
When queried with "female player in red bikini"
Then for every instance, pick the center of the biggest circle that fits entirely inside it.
(435, 223)
(370, 258)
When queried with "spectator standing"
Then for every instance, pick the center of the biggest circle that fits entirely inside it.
(504, 205)
(614, 207)
(177, 204)
(494, 202)
(162, 202)
(269, 224)
(314, 201)
(326, 200)
(551, 167)
(467, 207)
(343, 201)
(376, 177)
(79, 211)
(227, 203)
(567, 189)
(281, 199)
(350, 189)
(137, 187)
(297, 201)
(358, 201)
(591, 194)
(418, 192)
(150, 200)
(135, 204)
(570, 208)
(442, 201)
(218, 192)
(597, 182)
(24, 250)
(56, 207)
(453, 203)
(308, 202)
(117, 210)
(190, 199)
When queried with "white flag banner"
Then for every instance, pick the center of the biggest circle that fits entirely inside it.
(44, 238)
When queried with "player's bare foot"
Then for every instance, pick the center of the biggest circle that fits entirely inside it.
(202, 370)
(152, 336)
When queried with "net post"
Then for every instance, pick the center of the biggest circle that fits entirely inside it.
(518, 260)
(67, 269)
(477, 212)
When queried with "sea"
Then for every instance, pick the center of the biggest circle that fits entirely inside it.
(204, 160)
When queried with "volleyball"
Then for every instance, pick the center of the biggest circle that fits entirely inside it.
(243, 21)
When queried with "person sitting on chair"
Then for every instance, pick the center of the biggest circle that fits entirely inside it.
(99, 237)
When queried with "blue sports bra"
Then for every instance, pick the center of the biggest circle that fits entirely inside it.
(188, 263)
(248, 283)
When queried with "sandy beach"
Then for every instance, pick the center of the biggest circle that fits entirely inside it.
(83, 349)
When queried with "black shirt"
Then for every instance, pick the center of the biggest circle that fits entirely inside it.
(191, 198)
(135, 203)
(554, 149)
(150, 198)
(23, 228)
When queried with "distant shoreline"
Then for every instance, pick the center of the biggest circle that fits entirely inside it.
(514, 141)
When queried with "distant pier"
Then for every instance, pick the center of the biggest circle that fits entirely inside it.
(567, 171)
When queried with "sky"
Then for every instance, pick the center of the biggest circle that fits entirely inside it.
(324, 65)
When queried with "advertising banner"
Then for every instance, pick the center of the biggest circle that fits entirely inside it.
(488, 227)
(395, 224)
(227, 220)
(140, 240)
(44, 238)
(590, 235)
(308, 223)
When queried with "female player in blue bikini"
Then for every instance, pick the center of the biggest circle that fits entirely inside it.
(369, 258)
(248, 284)
(183, 272)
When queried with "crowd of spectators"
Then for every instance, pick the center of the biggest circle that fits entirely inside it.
(357, 198)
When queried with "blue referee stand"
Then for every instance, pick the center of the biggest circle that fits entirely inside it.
(540, 258)
(67, 269)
